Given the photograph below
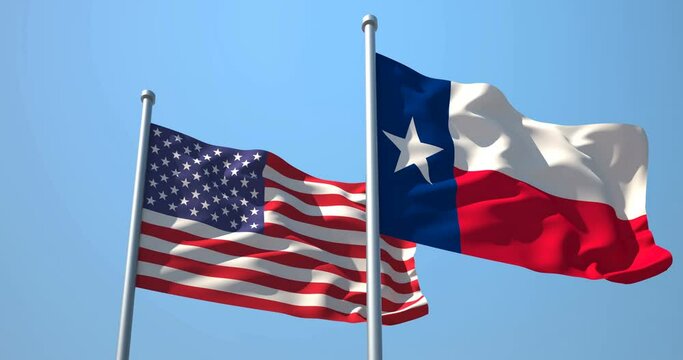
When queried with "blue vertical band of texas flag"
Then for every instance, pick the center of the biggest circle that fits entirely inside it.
(417, 200)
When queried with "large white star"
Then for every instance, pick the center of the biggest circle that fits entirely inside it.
(413, 152)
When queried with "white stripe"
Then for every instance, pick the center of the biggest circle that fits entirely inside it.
(344, 237)
(260, 241)
(308, 187)
(254, 290)
(247, 289)
(214, 258)
(269, 243)
(604, 163)
(274, 194)
(421, 302)
(334, 235)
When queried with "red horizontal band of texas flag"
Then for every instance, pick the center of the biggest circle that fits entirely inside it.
(507, 220)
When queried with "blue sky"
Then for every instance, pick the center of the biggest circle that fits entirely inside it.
(288, 77)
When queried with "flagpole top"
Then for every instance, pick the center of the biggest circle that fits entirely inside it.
(149, 94)
(369, 19)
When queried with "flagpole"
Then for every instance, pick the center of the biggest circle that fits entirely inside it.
(126, 321)
(374, 290)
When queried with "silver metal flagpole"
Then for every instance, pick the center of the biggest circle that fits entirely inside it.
(374, 290)
(126, 321)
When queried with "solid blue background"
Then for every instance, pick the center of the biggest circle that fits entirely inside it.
(289, 78)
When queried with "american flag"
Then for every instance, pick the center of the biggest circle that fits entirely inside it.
(245, 228)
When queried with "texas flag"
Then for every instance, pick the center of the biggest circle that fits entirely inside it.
(460, 169)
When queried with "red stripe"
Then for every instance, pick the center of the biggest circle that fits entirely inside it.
(347, 250)
(282, 232)
(337, 200)
(317, 312)
(290, 171)
(507, 220)
(234, 248)
(260, 278)
(333, 222)
(316, 199)
(407, 315)
(169, 287)
(398, 243)
(340, 223)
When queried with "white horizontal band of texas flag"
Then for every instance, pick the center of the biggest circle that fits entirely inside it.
(460, 169)
(244, 228)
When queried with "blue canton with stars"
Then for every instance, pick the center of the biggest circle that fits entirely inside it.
(215, 185)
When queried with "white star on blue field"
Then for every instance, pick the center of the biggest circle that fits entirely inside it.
(413, 152)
